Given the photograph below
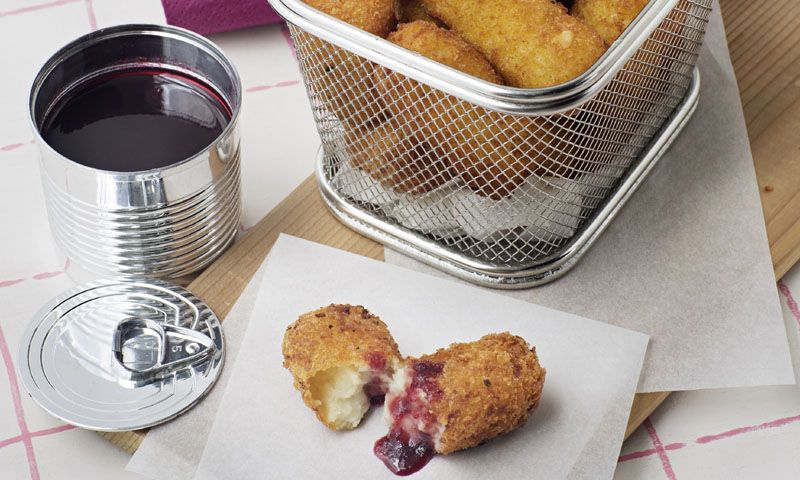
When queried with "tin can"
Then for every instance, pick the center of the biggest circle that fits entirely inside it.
(164, 222)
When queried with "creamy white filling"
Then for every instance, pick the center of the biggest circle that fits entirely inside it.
(398, 387)
(339, 393)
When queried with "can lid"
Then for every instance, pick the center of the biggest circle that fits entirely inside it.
(118, 355)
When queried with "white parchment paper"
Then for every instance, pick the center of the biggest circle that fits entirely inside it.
(263, 429)
(717, 138)
(173, 450)
(687, 260)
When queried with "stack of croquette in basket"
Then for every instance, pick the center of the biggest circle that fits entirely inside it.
(409, 143)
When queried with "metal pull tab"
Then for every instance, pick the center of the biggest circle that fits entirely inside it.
(149, 349)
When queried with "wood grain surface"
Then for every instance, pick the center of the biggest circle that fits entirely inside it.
(764, 39)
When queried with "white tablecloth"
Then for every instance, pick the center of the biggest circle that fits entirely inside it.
(725, 434)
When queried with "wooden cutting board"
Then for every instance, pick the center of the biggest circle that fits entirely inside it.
(763, 38)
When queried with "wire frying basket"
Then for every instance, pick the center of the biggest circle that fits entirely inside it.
(501, 186)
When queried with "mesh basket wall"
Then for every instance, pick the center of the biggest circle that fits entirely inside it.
(503, 190)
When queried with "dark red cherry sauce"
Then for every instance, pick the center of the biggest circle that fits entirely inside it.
(407, 448)
(135, 120)
(376, 388)
(404, 452)
(375, 391)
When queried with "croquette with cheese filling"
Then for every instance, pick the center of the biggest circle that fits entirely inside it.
(459, 397)
(341, 358)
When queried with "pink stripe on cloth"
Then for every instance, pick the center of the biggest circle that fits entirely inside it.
(90, 15)
(213, 16)
(13, 146)
(790, 301)
(752, 428)
(648, 452)
(33, 8)
(25, 435)
(659, 449)
(10, 283)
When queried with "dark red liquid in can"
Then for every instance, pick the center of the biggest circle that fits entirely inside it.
(135, 120)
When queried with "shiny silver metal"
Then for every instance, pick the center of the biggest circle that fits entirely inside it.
(465, 267)
(117, 356)
(549, 167)
(166, 222)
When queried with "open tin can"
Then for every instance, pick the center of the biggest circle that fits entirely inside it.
(138, 131)
(139, 217)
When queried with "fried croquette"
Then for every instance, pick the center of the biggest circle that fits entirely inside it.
(459, 397)
(351, 97)
(609, 18)
(470, 139)
(345, 85)
(445, 47)
(341, 358)
(644, 84)
(398, 162)
(374, 16)
(493, 153)
(410, 10)
(531, 43)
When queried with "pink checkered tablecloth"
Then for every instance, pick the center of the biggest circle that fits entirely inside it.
(723, 434)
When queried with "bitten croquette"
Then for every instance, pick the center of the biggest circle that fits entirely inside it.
(340, 356)
(485, 388)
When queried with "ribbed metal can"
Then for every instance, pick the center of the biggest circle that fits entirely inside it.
(166, 222)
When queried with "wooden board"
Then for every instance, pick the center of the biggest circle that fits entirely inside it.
(302, 214)
(764, 39)
(772, 111)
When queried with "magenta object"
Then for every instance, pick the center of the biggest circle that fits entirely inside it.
(213, 16)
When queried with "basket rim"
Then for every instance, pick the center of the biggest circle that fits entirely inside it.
(500, 98)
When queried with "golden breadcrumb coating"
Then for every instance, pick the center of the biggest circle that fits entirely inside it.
(608, 17)
(374, 16)
(477, 143)
(475, 391)
(345, 84)
(334, 339)
(531, 43)
(494, 167)
(410, 10)
(647, 76)
(398, 162)
(357, 108)
(445, 47)
(492, 152)
(488, 387)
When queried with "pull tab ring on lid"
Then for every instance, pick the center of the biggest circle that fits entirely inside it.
(149, 350)
(121, 355)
